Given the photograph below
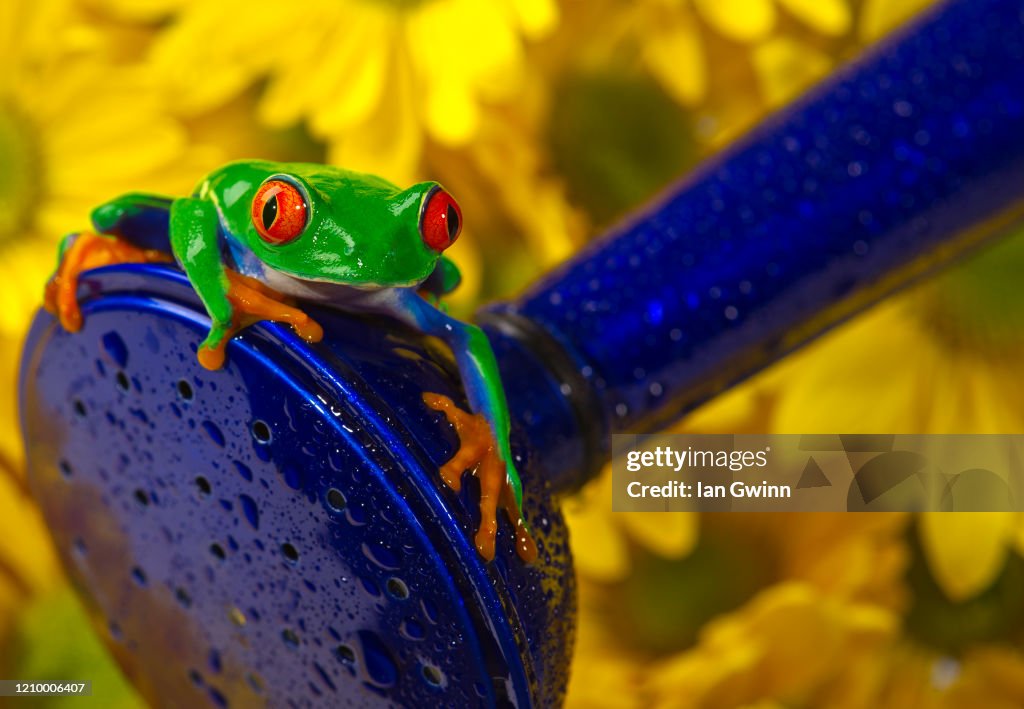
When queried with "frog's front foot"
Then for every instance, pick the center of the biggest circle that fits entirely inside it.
(81, 252)
(478, 451)
(252, 301)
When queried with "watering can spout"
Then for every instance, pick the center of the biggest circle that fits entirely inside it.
(895, 165)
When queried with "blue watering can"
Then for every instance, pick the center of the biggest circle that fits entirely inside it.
(276, 532)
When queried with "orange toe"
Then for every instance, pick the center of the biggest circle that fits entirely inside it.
(88, 251)
(478, 452)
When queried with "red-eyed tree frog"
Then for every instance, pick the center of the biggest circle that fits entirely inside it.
(256, 236)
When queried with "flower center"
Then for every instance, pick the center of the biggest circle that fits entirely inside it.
(662, 606)
(617, 139)
(20, 174)
(978, 304)
(994, 616)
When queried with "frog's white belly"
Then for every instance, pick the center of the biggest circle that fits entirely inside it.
(336, 294)
(243, 260)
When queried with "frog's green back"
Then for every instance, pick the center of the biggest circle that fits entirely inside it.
(362, 230)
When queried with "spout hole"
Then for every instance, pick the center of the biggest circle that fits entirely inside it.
(346, 654)
(261, 431)
(185, 390)
(433, 675)
(397, 588)
(290, 552)
(183, 598)
(336, 500)
(122, 381)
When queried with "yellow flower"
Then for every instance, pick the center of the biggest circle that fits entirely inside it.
(790, 646)
(28, 564)
(74, 130)
(951, 654)
(751, 20)
(880, 17)
(681, 55)
(942, 358)
(370, 77)
(95, 132)
(518, 219)
(602, 540)
(785, 67)
(733, 59)
(765, 610)
(139, 10)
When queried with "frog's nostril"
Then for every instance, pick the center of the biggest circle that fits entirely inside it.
(440, 220)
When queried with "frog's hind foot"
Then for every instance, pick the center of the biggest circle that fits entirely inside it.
(80, 253)
(478, 451)
(253, 301)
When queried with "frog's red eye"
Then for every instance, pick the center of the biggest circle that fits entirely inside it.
(440, 220)
(279, 211)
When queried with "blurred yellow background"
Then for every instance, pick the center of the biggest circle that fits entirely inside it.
(548, 121)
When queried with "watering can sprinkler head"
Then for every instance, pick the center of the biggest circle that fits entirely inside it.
(279, 523)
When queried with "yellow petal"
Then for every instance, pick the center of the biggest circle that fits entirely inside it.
(536, 17)
(452, 114)
(847, 381)
(781, 645)
(830, 17)
(786, 67)
(671, 534)
(25, 547)
(206, 65)
(552, 228)
(743, 409)
(597, 545)
(389, 143)
(454, 75)
(24, 268)
(742, 20)
(676, 57)
(603, 675)
(966, 551)
(347, 83)
(879, 17)
(141, 10)
(166, 143)
(11, 448)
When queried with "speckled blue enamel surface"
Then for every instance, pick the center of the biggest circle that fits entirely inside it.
(276, 533)
(885, 162)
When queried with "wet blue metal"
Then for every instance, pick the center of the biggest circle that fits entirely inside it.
(825, 206)
(276, 531)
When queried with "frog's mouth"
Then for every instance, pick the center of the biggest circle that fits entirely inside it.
(324, 291)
